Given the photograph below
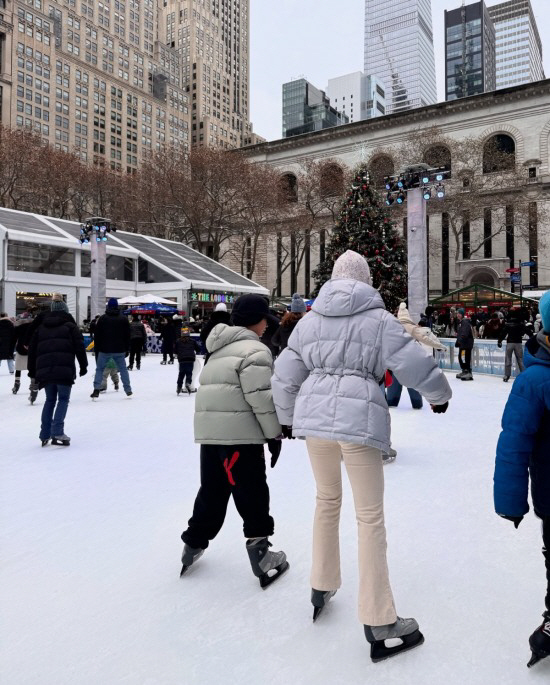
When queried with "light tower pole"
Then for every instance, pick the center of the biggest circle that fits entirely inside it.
(94, 231)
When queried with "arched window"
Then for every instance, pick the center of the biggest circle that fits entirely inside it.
(438, 156)
(380, 167)
(289, 187)
(499, 154)
(332, 180)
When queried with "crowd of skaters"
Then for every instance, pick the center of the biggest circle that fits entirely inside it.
(326, 387)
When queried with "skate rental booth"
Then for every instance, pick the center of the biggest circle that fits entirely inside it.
(41, 255)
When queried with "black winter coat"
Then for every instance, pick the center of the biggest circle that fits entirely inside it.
(7, 339)
(53, 349)
(23, 331)
(281, 336)
(464, 335)
(514, 331)
(187, 349)
(137, 331)
(112, 333)
(215, 319)
(168, 334)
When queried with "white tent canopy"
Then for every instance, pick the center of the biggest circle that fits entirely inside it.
(157, 299)
(130, 300)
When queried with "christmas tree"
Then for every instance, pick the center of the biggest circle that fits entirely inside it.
(365, 227)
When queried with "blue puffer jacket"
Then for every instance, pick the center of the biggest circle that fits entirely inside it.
(524, 444)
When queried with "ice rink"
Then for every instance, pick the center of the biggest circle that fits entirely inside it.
(90, 587)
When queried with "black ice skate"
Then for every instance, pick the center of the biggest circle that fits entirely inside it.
(64, 440)
(95, 394)
(189, 556)
(45, 442)
(188, 388)
(33, 396)
(129, 393)
(467, 376)
(266, 565)
(171, 361)
(404, 629)
(319, 599)
(178, 390)
(540, 641)
(16, 387)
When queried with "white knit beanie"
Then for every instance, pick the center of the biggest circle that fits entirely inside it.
(221, 307)
(352, 265)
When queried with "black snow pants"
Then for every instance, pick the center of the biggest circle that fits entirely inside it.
(546, 552)
(226, 470)
(465, 359)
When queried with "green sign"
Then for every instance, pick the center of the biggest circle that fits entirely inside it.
(214, 298)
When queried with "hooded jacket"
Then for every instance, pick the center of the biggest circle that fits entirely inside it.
(513, 331)
(524, 444)
(234, 404)
(465, 335)
(327, 381)
(112, 332)
(53, 349)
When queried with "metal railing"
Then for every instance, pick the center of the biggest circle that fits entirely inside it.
(487, 357)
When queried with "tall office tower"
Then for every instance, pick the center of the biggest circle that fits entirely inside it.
(307, 109)
(518, 44)
(90, 77)
(399, 51)
(212, 37)
(358, 96)
(469, 51)
(470, 56)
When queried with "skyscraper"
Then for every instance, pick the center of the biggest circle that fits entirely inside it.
(358, 96)
(307, 109)
(469, 51)
(399, 50)
(518, 44)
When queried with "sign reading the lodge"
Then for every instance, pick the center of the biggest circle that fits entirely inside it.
(213, 298)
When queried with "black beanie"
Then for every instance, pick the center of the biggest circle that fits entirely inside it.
(249, 310)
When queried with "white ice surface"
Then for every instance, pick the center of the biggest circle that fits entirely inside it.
(90, 587)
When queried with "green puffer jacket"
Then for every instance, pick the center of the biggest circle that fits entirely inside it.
(234, 405)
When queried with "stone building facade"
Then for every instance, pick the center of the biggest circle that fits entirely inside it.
(521, 114)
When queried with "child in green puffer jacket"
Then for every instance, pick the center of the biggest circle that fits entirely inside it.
(109, 370)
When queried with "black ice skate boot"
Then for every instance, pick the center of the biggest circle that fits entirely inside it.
(540, 641)
(64, 440)
(319, 599)
(188, 388)
(266, 565)
(467, 376)
(178, 390)
(33, 395)
(404, 629)
(95, 394)
(189, 556)
(16, 386)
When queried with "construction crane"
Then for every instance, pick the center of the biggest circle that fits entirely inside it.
(398, 88)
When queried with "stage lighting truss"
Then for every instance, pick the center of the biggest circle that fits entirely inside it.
(431, 181)
(96, 228)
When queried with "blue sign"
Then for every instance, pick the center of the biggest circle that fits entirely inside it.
(528, 264)
(515, 278)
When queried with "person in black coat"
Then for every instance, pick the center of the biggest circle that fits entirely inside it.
(138, 338)
(219, 315)
(513, 331)
(168, 337)
(186, 350)
(7, 341)
(465, 344)
(289, 322)
(51, 362)
(112, 340)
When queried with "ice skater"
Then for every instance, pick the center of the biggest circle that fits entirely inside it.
(513, 331)
(186, 352)
(110, 371)
(326, 389)
(112, 341)
(465, 345)
(523, 447)
(234, 418)
(51, 362)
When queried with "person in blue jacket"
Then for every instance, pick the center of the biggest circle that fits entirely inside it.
(524, 450)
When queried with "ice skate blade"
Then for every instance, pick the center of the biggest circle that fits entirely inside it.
(318, 609)
(379, 651)
(266, 580)
(62, 443)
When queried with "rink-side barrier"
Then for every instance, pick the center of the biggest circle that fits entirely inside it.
(153, 343)
(487, 357)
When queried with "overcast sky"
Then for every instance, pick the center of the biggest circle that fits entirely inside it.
(317, 39)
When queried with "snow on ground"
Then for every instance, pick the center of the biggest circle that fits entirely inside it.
(90, 587)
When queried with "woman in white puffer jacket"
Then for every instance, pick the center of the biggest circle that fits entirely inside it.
(327, 388)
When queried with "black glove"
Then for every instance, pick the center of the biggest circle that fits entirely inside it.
(516, 520)
(440, 408)
(499, 344)
(83, 371)
(287, 433)
(274, 446)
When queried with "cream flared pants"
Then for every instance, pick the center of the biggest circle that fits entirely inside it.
(365, 471)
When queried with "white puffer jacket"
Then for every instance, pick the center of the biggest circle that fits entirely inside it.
(327, 381)
(234, 405)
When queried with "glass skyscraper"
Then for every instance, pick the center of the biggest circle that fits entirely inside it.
(399, 50)
(469, 51)
(518, 44)
(307, 109)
